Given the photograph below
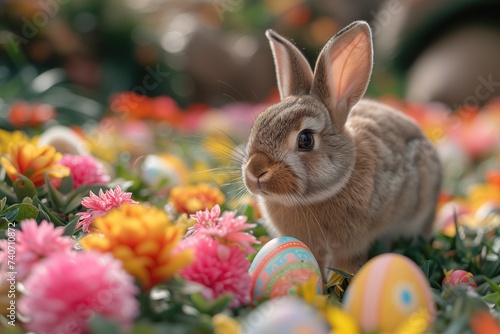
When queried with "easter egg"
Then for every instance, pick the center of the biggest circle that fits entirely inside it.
(386, 291)
(158, 168)
(460, 277)
(285, 315)
(280, 265)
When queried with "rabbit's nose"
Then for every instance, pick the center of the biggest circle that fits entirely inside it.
(257, 169)
(262, 177)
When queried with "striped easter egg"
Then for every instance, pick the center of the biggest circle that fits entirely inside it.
(280, 265)
(386, 291)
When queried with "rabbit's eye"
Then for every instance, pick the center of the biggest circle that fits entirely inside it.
(305, 141)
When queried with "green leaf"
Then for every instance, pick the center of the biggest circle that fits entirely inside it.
(27, 200)
(10, 214)
(72, 204)
(71, 227)
(433, 273)
(211, 307)
(220, 304)
(74, 198)
(84, 191)
(458, 243)
(342, 273)
(4, 223)
(55, 197)
(7, 193)
(23, 187)
(24, 211)
(495, 287)
(47, 214)
(146, 329)
(200, 303)
(100, 325)
(492, 269)
(66, 185)
(492, 298)
(3, 202)
(457, 326)
(426, 268)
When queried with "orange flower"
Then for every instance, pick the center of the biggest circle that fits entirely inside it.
(482, 322)
(189, 199)
(162, 108)
(144, 239)
(493, 178)
(33, 162)
(23, 114)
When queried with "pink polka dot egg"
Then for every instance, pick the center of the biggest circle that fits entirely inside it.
(281, 265)
(386, 292)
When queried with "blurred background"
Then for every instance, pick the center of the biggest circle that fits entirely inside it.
(68, 60)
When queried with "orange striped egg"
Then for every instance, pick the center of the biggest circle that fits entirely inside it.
(280, 265)
(386, 291)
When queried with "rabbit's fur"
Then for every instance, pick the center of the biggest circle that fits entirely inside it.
(371, 173)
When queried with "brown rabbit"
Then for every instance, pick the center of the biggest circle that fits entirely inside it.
(335, 171)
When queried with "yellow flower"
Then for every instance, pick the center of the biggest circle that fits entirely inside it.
(308, 292)
(7, 137)
(144, 239)
(104, 144)
(189, 199)
(339, 283)
(221, 147)
(341, 321)
(480, 194)
(33, 162)
(203, 172)
(225, 325)
(417, 323)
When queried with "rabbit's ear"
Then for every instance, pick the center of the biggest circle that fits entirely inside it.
(343, 70)
(293, 72)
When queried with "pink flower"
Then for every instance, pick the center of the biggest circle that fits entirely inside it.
(100, 205)
(33, 243)
(228, 229)
(221, 269)
(65, 291)
(205, 219)
(85, 169)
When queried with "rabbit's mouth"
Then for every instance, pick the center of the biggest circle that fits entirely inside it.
(257, 184)
(269, 179)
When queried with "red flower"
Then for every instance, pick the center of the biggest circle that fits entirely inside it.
(23, 114)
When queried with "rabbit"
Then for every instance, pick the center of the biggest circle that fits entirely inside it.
(332, 169)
